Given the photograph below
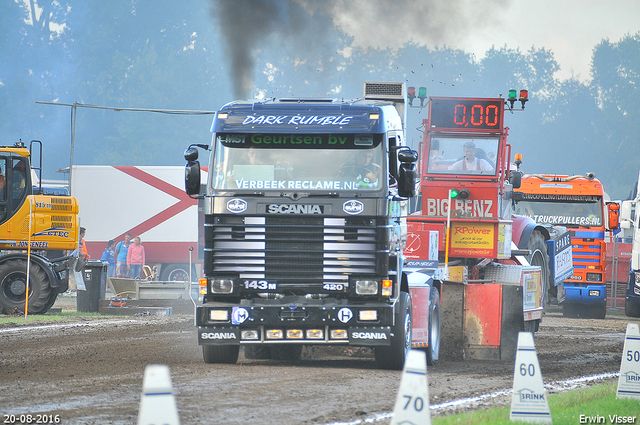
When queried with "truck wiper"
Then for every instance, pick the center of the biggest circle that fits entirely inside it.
(324, 195)
(247, 194)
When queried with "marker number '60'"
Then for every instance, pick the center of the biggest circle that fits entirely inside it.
(529, 369)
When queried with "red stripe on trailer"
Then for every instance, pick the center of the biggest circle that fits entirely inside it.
(184, 201)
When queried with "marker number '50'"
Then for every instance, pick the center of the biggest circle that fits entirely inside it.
(633, 356)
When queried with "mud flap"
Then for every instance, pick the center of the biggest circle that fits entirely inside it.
(480, 322)
(512, 321)
(452, 312)
(483, 321)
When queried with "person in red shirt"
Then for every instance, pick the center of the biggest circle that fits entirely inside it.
(135, 258)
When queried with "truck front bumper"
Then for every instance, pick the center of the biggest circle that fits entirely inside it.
(355, 325)
(595, 294)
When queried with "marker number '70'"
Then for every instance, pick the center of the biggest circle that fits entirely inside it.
(418, 403)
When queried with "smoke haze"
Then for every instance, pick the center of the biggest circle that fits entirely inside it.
(247, 26)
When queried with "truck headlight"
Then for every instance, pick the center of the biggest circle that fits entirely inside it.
(274, 334)
(637, 278)
(295, 334)
(594, 277)
(366, 287)
(249, 334)
(339, 334)
(219, 315)
(315, 334)
(364, 315)
(221, 286)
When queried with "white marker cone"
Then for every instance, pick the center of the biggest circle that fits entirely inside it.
(158, 404)
(629, 380)
(529, 401)
(412, 403)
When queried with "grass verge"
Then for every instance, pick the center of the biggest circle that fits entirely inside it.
(43, 319)
(597, 402)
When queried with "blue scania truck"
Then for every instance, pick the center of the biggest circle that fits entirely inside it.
(304, 229)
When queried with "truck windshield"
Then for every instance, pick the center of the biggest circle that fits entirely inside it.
(567, 213)
(316, 162)
(449, 155)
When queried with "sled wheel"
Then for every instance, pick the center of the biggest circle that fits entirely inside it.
(540, 257)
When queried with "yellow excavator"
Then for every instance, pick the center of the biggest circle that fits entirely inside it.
(35, 223)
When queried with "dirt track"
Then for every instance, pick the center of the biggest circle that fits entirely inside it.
(91, 373)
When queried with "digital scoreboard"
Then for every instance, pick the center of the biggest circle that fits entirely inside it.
(466, 114)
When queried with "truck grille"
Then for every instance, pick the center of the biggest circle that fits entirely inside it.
(294, 251)
(588, 247)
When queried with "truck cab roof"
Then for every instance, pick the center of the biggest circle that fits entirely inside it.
(303, 115)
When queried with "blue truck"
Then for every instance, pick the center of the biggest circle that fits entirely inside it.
(629, 224)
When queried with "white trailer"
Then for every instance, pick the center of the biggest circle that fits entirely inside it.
(147, 201)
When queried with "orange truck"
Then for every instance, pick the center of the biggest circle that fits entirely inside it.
(578, 203)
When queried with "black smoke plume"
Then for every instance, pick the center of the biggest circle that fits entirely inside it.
(250, 25)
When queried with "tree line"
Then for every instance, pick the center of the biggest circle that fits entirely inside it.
(150, 55)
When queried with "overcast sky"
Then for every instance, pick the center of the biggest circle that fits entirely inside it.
(569, 28)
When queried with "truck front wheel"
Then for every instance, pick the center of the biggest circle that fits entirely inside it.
(13, 286)
(220, 353)
(393, 356)
(631, 309)
(599, 311)
(257, 352)
(433, 351)
(287, 353)
(569, 310)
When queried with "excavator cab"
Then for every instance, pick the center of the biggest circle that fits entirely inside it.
(15, 183)
(32, 226)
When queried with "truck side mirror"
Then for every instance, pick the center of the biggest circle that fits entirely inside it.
(192, 177)
(408, 155)
(515, 178)
(613, 210)
(407, 180)
(191, 154)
